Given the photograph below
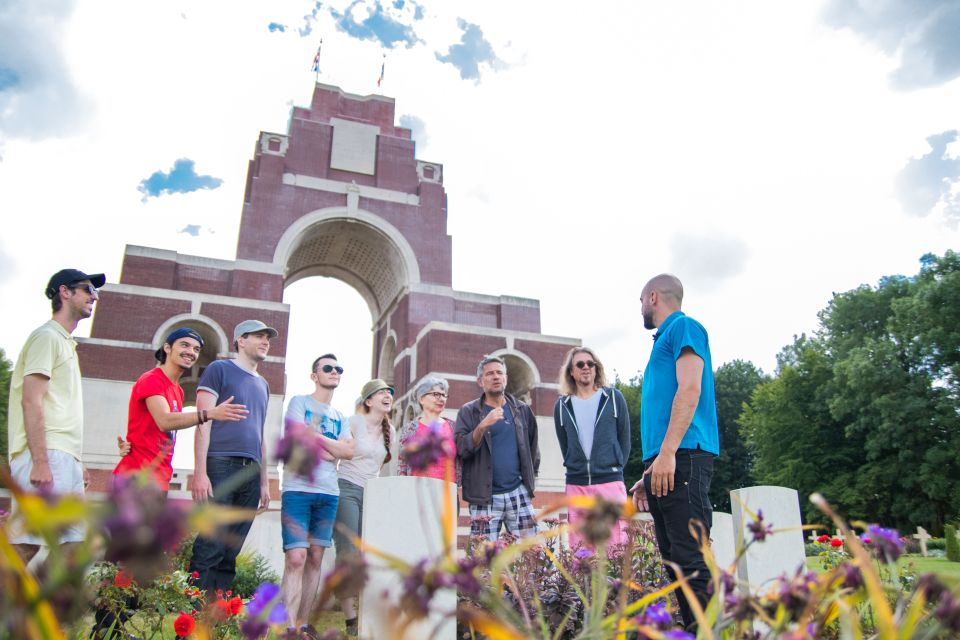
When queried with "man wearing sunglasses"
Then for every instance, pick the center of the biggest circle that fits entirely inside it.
(679, 435)
(230, 457)
(309, 504)
(46, 404)
(593, 428)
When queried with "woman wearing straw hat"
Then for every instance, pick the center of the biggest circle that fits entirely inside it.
(373, 438)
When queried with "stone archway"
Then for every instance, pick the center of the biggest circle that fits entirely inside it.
(355, 246)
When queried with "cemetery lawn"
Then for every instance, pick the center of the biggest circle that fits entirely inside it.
(948, 571)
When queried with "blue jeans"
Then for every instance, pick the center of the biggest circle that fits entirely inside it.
(672, 513)
(236, 483)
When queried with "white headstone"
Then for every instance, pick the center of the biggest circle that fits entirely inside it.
(813, 536)
(781, 552)
(402, 516)
(922, 536)
(722, 541)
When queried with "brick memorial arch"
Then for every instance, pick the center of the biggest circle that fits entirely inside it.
(341, 194)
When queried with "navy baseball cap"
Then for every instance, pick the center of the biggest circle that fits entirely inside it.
(71, 276)
(176, 334)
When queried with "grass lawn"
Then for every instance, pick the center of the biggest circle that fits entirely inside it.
(948, 571)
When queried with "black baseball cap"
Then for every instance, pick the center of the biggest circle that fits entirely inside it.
(71, 276)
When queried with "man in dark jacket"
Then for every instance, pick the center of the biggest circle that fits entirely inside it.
(593, 428)
(496, 438)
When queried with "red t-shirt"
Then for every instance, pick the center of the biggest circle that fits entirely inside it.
(145, 437)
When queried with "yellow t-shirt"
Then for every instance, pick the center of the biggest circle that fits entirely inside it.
(52, 352)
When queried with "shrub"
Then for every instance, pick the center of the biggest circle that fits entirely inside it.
(252, 571)
(953, 547)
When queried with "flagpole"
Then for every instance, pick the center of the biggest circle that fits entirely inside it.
(316, 63)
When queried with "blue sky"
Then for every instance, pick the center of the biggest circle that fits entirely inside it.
(768, 153)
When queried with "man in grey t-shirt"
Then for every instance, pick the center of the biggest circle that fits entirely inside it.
(230, 457)
(309, 505)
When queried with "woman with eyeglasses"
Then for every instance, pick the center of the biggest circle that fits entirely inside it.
(432, 396)
(593, 429)
(373, 442)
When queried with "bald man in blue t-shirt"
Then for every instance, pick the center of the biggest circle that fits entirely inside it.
(678, 433)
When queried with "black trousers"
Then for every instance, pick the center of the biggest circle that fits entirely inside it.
(672, 513)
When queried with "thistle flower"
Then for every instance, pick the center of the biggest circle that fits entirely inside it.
(599, 520)
(141, 525)
(299, 450)
(758, 529)
(426, 449)
(886, 543)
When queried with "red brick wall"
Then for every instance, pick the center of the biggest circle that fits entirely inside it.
(120, 316)
(114, 363)
(147, 272)
(454, 352)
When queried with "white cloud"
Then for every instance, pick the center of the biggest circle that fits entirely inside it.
(38, 95)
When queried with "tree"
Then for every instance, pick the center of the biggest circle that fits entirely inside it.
(6, 371)
(735, 382)
(866, 410)
(632, 392)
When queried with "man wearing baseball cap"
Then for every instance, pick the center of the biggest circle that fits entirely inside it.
(156, 409)
(230, 457)
(46, 404)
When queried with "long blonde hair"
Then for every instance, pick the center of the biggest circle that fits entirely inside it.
(568, 386)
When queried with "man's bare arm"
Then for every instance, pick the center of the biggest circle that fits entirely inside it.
(35, 387)
(689, 374)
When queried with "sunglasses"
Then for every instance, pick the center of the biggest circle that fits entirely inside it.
(585, 363)
(89, 288)
(327, 368)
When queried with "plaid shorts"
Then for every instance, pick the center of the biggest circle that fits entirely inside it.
(513, 510)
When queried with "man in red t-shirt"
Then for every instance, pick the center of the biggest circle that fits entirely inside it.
(156, 410)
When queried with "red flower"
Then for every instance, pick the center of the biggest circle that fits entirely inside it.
(195, 575)
(122, 579)
(229, 592)
(236, 605)
(823, 538)
(836, 542)
(184, 625)
(220, 610)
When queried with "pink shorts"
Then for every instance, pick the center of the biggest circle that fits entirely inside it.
(613, 491)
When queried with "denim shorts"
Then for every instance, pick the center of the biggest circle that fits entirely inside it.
(306, 519)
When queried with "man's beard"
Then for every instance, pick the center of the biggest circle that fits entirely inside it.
(648, 321)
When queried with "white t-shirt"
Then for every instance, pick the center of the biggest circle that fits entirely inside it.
(328, 422)
(368, 453)
(585, 411)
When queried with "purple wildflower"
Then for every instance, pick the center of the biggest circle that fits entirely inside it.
(299, 450)
(886, 542)
(852, 578)
(677, 634)
(426, 449)
(582, 552)
(759, 530)
(266, 604)
(141, 525)
(656, 615)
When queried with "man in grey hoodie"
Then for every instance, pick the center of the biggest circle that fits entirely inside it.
(593, 428)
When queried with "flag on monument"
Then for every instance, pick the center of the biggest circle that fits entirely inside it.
(383, 66)
(316, 58)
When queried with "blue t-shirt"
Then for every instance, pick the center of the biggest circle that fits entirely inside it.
(506, 455)
(678, 332)
(328, 422)
(225, 378)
